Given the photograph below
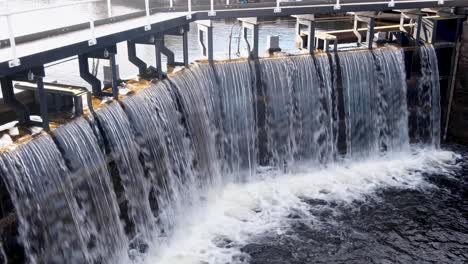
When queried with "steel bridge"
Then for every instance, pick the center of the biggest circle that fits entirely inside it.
(22, 57)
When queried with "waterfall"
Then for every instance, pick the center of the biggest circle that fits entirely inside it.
(113, 185)
(125, 153)
(93, 190)
(428, 98)
(375, 101)
(51, 219)
(293, 89)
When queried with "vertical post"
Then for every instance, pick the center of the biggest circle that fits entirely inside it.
(278, 7)
(185, 48)
(42, 102)
(311, 37)
(115, 81)
(78, 103)
(189, 15)
(337, 6)
(22, 113)
(159, 46)
(212, 11)
(418, 28)
(148, 18)
(370, 32)
(210, 43)
(109, 8)
(14, 62)
(171, 3)
(92, 40)
(227, 2)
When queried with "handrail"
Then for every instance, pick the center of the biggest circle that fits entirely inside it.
(202, 10)
(15, 61)
(53, 6)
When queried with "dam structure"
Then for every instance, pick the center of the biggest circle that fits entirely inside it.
(281, 158)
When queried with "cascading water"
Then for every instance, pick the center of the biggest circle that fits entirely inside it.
(93, 191)
(208, 139)
(428, 98)
(51, 219)
(125, 153)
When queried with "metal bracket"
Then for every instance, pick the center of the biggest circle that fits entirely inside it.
(14, 63)
(107, 53)
(369, 19)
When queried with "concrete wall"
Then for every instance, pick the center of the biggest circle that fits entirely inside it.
(458, 124)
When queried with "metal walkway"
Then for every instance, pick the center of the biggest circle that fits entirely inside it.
(44, 47)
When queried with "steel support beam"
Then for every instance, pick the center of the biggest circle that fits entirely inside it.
(42, 101)
(133, 58)
(107, 53)
(85, 74)
(159, 45)
(251, 24)
(205, 38)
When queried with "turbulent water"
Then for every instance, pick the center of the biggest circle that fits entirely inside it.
(273, 161)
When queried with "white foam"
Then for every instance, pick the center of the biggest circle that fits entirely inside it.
(239, 212)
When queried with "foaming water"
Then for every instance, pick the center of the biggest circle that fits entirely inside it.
(242, 213)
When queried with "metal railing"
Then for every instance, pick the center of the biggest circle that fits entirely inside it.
(211, 10)
(15, 61)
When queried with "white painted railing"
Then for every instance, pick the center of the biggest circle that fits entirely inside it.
(15, 61)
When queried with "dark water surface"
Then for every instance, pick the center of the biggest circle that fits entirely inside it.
(393, 225)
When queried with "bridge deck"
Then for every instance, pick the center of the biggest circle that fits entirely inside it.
(53, 46)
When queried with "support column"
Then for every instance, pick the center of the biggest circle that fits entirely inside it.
(251, 24)
(370, 33)
(86, 75)
(185, 48)
(205, 27)
(309, 22)
(159, 44)
(115, 81)
(42, 102)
